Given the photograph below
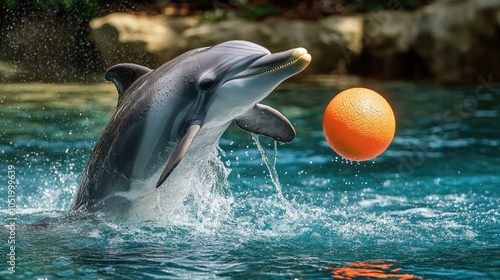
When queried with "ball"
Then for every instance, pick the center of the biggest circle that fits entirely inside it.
(359, 124)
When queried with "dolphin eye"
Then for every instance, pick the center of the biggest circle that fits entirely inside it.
(207, 84)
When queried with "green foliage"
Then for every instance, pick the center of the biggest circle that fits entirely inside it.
(9, 4)
(375, 5)
(81, 8)
(257, 12)
(218, 15)
(241, 10)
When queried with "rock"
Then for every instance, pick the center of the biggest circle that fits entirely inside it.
(208, 34)
(154, 40)
(124, 37)
(145, 40)
(328, 41)
(448, 40)
(387, 42)
(341, 38)
(459, 39)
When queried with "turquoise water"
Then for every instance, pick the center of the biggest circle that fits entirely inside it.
(428, 208)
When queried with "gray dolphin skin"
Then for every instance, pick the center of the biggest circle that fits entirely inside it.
(179, 111)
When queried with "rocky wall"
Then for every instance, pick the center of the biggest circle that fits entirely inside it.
(449, 40)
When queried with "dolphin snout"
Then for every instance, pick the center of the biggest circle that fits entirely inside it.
(301, 54)
(287, 63)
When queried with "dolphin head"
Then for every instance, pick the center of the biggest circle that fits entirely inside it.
(239, 74)
(223, 81)
(191, 81)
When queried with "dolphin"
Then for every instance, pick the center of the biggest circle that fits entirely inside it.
(178, 111)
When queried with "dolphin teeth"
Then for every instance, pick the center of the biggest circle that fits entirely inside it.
(284, 65)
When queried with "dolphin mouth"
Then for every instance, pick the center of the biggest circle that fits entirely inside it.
(288, 62)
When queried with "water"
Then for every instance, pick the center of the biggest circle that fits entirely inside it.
(428, 208)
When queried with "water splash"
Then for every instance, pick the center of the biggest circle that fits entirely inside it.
(273, 174)
(48, 190)
(199, 198)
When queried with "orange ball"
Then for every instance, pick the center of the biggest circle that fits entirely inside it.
(359, 124)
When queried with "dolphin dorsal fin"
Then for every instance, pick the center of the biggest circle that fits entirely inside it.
(267, 121)
(125, 74)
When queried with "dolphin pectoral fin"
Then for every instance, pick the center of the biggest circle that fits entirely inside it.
(125, 74)
(267, 121)
(179, 151)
